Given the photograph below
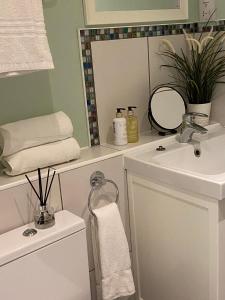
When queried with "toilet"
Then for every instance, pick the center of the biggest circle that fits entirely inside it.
(49, 265)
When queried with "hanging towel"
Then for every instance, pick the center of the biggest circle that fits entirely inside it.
(23, 42)
(115, 264)
(34, 132)
(41, 156)
(96, 256)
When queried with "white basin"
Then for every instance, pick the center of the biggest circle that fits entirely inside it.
(178, 166)
(210, 162)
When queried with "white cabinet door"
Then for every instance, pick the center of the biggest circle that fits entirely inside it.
(175, 242)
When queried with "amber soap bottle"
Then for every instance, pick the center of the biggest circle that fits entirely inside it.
(132, 125)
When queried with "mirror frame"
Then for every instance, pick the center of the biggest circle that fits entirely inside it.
(94, 17)
(151, 117)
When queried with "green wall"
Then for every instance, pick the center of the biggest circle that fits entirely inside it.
(194, 9)
(60, 89)
(220, 9)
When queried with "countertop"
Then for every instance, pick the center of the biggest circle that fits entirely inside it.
(89, 155)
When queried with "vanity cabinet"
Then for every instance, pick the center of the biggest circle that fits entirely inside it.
(178, 242)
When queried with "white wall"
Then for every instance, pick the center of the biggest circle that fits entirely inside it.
(75, 187)
(125, 73)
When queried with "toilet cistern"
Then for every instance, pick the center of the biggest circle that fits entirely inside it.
(50, 265)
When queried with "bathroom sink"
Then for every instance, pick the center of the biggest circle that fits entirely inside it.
(205, 158)
(198, 167)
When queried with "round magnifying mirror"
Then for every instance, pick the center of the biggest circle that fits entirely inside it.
(166, 108)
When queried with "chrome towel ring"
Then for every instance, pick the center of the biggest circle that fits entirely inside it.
(97, 180)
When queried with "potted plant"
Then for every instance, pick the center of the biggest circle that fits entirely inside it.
(197, 72)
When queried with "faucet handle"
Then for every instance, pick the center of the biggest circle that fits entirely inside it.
(191, 116)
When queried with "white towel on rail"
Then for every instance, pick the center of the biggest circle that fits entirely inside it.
(41, 156)
(33, 132)
(115, 264)
(23, 42)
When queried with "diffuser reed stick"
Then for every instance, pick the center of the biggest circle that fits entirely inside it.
(44, 218)
(43, 193)
(50, 186)
(32, 187)
(46, 187)
(40, 187)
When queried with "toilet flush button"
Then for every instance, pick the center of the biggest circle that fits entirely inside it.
(29, 232)
(160, 148)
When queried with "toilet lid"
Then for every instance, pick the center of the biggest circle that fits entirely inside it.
(14, 244)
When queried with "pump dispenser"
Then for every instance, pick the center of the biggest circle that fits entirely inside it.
(132, 125)
(119, 113)
(120, 128)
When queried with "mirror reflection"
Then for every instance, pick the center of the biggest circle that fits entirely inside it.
(118, 5)
(166, 108)
(195, 7)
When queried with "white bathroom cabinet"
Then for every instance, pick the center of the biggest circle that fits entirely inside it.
(178, 242)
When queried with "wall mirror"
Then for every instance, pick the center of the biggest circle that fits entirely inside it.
(134, 11)
(166, 108)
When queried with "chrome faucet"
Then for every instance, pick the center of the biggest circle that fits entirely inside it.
(189, 127)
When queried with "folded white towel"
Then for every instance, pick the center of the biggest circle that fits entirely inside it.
(117, 278)
(41, 156)
(34, 132)
(23, 41)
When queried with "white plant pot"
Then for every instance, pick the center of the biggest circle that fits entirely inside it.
(204, 108)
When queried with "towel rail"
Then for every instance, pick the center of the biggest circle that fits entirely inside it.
(97, 180)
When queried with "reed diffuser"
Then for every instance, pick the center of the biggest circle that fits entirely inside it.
(44, 215)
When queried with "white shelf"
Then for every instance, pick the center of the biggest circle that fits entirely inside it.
(88, 156)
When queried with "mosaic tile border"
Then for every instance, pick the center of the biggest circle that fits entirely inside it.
(89, 35)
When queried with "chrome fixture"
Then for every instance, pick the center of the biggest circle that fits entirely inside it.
(189, 127)
(29, 232)
(197, 152)
(98, 180)
(160, 148)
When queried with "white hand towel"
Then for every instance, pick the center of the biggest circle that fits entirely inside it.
(117, 278)
(23, 41)
(34, 132)
(41, 156)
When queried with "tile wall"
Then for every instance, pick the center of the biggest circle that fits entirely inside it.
(106, 52)
(121, 79)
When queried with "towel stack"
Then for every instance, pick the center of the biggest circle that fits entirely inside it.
(37, 143)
